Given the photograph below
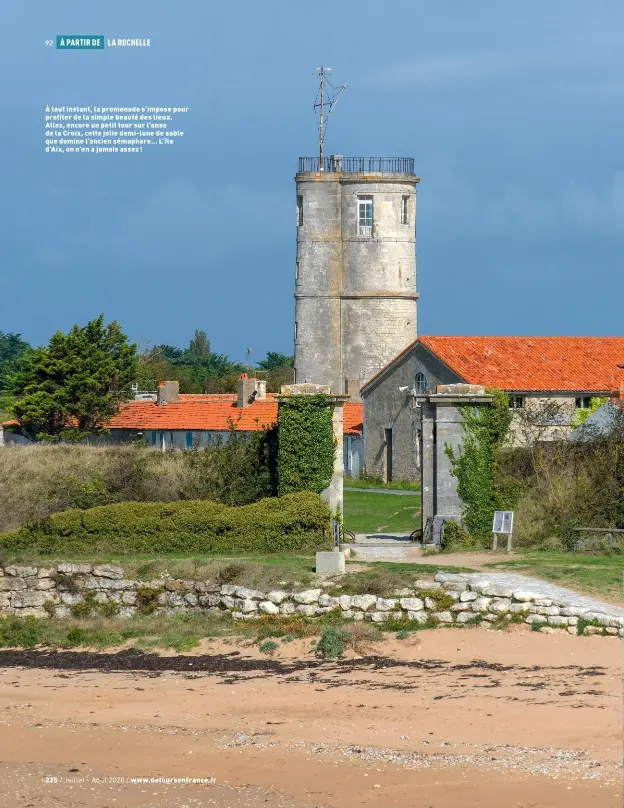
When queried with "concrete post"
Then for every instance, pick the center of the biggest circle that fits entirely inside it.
(442, 429)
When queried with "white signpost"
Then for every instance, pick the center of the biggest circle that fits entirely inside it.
(503, 524)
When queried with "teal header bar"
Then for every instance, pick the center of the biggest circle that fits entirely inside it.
(80, 41)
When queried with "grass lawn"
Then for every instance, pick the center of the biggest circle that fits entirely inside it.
(599, 576)
(369, 513)
(377, 482)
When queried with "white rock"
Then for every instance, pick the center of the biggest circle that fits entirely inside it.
(543, 602)
(363, 602)
(498, 592)
(108, 571)
(430, 604)
(536, 618)
(523, 596)
(68, 568)
(268, 607)
(307, 609)
(21, 600)
(328, 602)
(358, 616)
(427, 585)
(479, 586)
(490, 617)
(572, 611)
(228, 602)
(379, 617)
(287, 608)
(277, 596)
(307, 596)
(228, 589)
(611, 630)
(466, 617)
(21, 572)
(444, 577)
(501, 606)
(249, 606)
(385, 604)
(411, 604)
(460, 607)
(468, 596)
(129, 598)
(572, 630)
(480, 605)
(572, 621)
(248, 594)
(589, 630)
(519, 607)
(45, 572)
(454, 586)
(191, 599)
(548, 610)
(43, 583)
(443, 617)
(599, 617)
(345, 602)
(211, 600)
(419, 617)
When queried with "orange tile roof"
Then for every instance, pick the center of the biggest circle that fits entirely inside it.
(213, 413)
(532, 364)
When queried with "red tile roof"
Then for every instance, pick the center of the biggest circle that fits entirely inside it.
(213, 413)
(574, 364)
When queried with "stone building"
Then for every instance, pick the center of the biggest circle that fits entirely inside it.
(355, 294)
(566, 371)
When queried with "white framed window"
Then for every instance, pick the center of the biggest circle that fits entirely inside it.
(421, 383)
(583, 403)
(405, 210)
(365, 216)
(516, 402)
(299, 211)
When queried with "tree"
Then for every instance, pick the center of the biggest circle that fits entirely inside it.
(275, 360)
(12, 347)
(77, 382)
(199, 348)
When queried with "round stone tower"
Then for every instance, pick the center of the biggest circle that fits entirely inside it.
(355, 294)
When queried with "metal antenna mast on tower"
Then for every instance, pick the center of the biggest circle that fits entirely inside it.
(322, 102)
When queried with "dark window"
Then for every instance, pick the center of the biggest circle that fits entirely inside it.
(405, 210)
(516, 402)
(583, 403)
(421, 383)
(299, 211)
(388, 455)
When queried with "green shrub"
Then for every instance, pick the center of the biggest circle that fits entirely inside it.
(455, 537)
(147, 599)
(298, 522)
(403, 634)
(268, 647)
(332, 643)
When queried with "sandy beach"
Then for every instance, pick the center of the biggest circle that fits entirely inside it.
(447, 718)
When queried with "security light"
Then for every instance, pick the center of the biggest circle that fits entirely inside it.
(403, 389)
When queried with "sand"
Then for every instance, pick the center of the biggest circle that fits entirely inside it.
(453, 717)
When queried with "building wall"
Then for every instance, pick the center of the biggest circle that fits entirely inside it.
(355, 296)
(386, 408)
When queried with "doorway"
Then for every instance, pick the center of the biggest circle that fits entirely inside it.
(388, 469)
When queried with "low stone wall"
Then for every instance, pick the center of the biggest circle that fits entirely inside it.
(69, 589)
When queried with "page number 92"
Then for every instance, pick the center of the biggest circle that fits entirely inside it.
(49, 43)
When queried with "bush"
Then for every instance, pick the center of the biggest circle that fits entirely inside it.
(298, 522)
(332, 643)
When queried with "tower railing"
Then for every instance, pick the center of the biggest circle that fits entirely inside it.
(361, 165)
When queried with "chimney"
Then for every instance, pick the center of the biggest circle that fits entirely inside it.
(168, 392)
(249, 390)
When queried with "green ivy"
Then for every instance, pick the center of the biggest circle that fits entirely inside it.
(485, 430)
(305, 444)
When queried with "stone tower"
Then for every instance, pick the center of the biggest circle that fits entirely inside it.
(355, 294)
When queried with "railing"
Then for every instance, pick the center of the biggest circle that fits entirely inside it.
(337, 163)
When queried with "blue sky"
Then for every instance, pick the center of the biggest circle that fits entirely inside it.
(512, 111)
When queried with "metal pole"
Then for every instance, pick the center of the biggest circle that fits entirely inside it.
(321, 120)
(509, 542)
(495, 542)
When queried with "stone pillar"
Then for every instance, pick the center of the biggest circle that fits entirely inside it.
(333, 494)
(441, 429)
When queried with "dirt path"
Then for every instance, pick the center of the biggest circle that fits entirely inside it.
(452, 718)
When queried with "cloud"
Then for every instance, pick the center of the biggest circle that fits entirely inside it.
(452, 205)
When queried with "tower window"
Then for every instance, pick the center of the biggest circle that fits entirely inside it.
(295, 331)
(405, 210)
(297, 271)
(421, 383)
(365, 216)
(299, 211)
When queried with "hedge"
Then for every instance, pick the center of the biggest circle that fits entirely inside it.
(297, 522)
